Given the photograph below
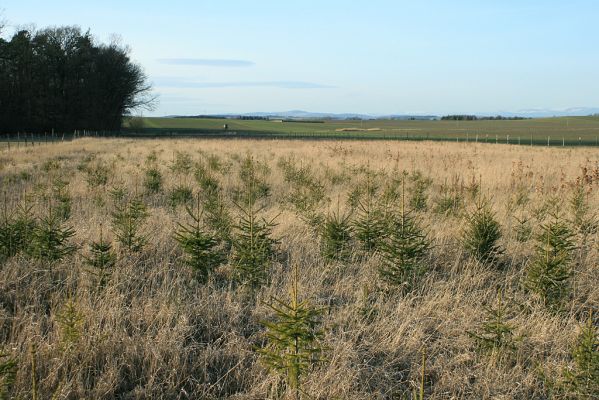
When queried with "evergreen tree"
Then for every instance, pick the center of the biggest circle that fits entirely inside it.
(16, 230)
(370, 223)
(8, 372)
(548, 274)
(200, 246)
(127, 221)
(482, 234)
(293, 337)
(496, 333)
(50, 239)
(583, 380)
(335, 238)
(70, 322)
(253, 246)
(404, 250)
(101, 260)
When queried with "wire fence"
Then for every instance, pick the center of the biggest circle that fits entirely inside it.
(23, 140)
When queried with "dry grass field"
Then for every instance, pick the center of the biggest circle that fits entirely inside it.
(428, 270)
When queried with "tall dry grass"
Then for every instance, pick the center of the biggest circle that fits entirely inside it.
(154, 332)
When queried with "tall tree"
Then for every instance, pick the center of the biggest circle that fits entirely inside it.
(61, 79)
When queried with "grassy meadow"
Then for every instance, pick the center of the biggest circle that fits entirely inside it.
(277, 269)
(570, 131)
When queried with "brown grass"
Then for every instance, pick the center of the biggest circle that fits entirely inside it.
(154, 332)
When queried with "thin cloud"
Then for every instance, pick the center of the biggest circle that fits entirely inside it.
(206, 62)
(177, 83)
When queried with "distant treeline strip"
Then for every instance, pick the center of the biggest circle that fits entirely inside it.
(60, 79)
(461, 117)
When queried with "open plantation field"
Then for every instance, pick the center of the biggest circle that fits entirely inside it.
(559, 131)
(251, 269)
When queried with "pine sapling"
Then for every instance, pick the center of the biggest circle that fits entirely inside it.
(548, 274)
(583, 220)
(293, 339)
(200, 246)
(370, 223)
(127, 221)
(523, 229)
(482, 234)
(70, 322)
(404, 250)
(101, 260)
(583, 380)
(253, 246)
(153, 180)
(180, 195)
(62, 198)
(495, 333)
(335, 237)
(419, 196)
(218, 218)
(51, 239)
(8, 373)
(16, 230)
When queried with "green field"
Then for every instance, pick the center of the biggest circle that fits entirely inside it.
(568, 131)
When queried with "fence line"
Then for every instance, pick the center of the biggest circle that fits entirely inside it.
(18, 140)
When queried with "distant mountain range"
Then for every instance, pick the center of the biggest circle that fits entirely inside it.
(547, 113)
(300, 114)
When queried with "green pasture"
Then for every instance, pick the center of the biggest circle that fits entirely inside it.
(568, 131)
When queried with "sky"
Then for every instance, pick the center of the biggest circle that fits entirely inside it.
(372, 57)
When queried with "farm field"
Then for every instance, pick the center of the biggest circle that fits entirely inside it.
(330, 269)
(559, 131)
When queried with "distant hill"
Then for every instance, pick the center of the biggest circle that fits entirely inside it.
(300, 114)
(548, 113)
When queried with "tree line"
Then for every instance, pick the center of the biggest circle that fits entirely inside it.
(61, 79)
(460, 117)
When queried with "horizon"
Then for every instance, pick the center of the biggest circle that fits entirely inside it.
(390, 58)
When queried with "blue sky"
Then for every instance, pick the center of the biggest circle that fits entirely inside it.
(377, 57)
